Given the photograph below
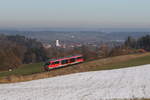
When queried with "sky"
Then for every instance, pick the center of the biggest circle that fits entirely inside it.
(75, 13)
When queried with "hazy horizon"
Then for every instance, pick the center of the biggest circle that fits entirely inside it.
(105, 30)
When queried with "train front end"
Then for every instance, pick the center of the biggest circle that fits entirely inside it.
(47, 66)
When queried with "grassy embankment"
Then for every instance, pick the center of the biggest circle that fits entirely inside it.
(25, 69)
(123, 64)
(34, 71)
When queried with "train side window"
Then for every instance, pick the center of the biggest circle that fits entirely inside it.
(56, 62)
(64, 61)
(79, 58)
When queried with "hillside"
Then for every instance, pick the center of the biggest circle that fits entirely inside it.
(128, 83)
(76, 36)
(34, 71)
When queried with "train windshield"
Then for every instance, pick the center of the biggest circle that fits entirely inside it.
(48, 63)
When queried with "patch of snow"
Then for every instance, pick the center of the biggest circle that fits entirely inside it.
(121, 83)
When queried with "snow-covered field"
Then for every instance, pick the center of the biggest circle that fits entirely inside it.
(121, 83)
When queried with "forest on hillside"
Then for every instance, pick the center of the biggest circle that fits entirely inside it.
(16, 50)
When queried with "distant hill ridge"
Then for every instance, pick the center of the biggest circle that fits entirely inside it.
(81, 36)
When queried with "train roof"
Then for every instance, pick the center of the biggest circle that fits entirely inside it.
(63, 57)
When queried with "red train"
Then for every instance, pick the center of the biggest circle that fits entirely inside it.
(57, 63)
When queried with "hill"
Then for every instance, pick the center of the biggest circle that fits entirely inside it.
(34, 71)
(121, 84)
(76, 36)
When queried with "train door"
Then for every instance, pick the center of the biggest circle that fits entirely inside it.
(72, 60)
(65, 62)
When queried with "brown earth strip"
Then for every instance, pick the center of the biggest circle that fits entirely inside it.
(83, 67)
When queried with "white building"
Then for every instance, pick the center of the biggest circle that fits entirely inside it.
(57, 43)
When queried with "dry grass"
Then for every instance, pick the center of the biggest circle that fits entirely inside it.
(83, 67)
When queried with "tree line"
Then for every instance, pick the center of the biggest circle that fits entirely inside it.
(140, 43)
(16, 50)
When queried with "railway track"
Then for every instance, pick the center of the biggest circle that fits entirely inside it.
(81, 67)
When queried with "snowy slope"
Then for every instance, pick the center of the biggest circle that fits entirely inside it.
(121, 83)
